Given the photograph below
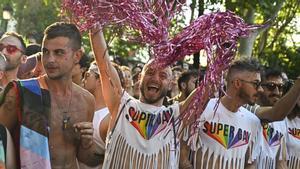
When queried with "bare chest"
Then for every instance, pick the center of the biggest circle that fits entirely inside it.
(63, 140)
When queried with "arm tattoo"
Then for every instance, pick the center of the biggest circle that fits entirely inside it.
(9, 104)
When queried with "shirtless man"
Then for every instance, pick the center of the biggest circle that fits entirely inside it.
(138, 136)
(68, 127)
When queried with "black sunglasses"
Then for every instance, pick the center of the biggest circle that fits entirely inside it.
(273, 86)
(256, 84)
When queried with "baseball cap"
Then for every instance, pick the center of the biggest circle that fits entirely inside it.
(29, 65)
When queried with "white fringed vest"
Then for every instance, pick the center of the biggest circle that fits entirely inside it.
(273, 144)
(293, 142)
(140, 139)
(224, 138)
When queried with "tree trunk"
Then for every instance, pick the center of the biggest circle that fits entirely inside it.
(196, 59)
(192, 6)
(246, 44)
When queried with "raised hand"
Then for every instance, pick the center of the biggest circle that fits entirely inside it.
(86, 130)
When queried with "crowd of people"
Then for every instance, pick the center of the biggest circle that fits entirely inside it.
(60, 108)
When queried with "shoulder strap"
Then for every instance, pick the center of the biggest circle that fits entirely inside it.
(174, 130)
(119, 114)
(3, 137)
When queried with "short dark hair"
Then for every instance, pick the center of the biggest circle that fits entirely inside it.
(18, 36)
(185, 77)
(270, 72)
(63, 29)
(177, 68)
(84, 61)
(32, 49)
(249, 65)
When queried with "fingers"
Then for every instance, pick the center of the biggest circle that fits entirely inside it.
(85, 128)
(83, 125)
(86, 131)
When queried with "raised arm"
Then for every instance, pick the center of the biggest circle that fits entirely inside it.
(111, 85)
(283, 107)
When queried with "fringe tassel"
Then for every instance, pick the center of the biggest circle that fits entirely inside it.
(267, 163)
(294, 162)
(218, 160)
(126, 156)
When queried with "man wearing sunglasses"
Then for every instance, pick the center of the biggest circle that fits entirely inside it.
(273, 133)
(12, 46)
(272, 83)
(271, 109)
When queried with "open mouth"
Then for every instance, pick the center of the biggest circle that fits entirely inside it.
(154, 89)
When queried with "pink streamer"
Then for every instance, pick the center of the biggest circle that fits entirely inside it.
(150, 18)
(216, 33)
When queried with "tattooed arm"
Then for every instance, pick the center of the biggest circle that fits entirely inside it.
(111, 85)
(8, 110)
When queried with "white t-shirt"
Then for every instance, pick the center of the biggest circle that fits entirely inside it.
(99, 115)
(293, 142)
(141, 138)
(272, 143)
(226, 136)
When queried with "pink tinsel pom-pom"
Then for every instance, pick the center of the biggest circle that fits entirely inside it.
(216, 33)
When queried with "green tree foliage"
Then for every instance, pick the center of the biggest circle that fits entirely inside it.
(276, 47)
(273, 46)
(33, 16)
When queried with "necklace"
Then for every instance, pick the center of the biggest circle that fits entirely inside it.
(66, 118)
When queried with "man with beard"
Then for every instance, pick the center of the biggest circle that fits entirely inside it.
(272, 83)
(12, 46)
(274, 134)
(141, 133)
(228, 133)
(50, 117)
(186, 83)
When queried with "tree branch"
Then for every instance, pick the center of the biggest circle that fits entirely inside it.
(292, 14)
